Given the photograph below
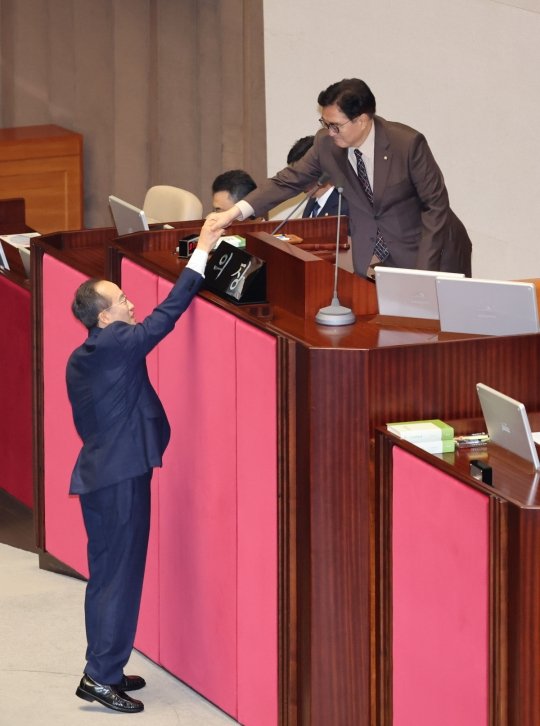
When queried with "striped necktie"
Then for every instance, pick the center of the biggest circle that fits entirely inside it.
(380, 250)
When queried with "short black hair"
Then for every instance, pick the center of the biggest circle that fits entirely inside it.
(237, 182)
(351, 95)
(299, 148)
(88, 303)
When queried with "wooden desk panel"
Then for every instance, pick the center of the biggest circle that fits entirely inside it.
(513, 572)
(334, 386)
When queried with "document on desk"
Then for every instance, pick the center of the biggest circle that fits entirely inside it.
(19, 240)
(536, 437)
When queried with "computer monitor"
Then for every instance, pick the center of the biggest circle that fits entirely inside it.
(507, 423)
(127, 218)
(487, 307)
(408, 293)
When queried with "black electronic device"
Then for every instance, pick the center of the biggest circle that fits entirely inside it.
(187, 245)
(481, 471)
(236, 275)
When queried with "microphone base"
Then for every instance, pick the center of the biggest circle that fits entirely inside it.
(335, 315)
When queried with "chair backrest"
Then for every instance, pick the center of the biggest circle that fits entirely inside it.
(164, 203)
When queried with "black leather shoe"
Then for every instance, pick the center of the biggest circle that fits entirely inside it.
(109, 696)
(130, 683)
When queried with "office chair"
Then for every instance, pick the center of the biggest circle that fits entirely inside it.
(164, 203)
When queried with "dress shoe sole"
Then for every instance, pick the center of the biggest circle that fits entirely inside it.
(81, 693)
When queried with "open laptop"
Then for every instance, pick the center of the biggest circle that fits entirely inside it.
(408, 293)
(127, 218)
(507, 423)
(487, 307)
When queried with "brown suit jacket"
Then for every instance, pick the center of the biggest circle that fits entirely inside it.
(410, 201)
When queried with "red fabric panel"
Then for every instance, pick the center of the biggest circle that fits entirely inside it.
(141, 287)
(197, 517)
(440, 558)
(256, 385)
(65, 536)
(16, 393)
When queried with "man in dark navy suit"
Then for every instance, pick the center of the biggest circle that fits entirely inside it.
(124, 431)
(324, 201)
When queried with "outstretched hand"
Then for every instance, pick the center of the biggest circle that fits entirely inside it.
(222, 219)
(209, 235)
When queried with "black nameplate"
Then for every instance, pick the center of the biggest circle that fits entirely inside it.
(236, 275)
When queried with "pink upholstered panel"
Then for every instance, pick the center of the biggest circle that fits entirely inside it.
(257, 527)
(198, 504)
(65, 537)
(16, 393)
(440, 598)
(141, 287)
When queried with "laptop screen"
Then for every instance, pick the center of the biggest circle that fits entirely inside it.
(487, 307)
(408, 293)
(127, 218)
(507, 423)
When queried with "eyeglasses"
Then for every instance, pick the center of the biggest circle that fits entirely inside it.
(122, 301)
(334, 128)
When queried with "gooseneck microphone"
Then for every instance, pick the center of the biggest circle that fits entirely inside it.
(321, 181)
(336, 314)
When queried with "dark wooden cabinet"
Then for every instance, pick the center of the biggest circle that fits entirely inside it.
(43, 165)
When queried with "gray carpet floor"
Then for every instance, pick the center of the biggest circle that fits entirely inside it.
(42, 645)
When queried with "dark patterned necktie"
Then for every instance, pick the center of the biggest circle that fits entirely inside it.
(381, 250)
(316, 209)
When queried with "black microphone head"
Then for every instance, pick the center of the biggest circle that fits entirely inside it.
(323, 179)
(339, 184)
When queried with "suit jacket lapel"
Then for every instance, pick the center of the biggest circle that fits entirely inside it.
(309, 206)
(382, 159)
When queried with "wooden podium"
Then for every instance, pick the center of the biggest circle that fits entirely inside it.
(329, 389)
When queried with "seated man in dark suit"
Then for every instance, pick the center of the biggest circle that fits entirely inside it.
(124, 433)
(324, 200)
(229, 188)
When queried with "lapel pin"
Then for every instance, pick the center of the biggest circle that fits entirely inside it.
(385, 158)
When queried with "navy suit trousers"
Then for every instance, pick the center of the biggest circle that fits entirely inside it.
(117, 521)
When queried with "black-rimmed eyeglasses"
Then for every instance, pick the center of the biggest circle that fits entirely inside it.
(121, 301)
(334, 128)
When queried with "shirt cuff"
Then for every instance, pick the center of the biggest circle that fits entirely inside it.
(246, 210)
(197, 261)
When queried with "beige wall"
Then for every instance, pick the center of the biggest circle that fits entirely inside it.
(464, 72)
(163, 91)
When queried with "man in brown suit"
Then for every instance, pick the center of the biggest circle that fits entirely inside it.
(399, 212)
